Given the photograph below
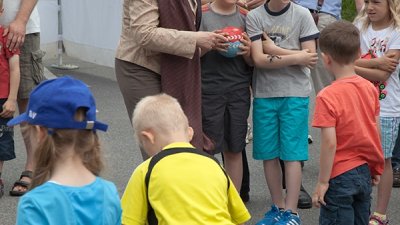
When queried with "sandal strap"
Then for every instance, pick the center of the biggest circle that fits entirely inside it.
(21, 183)
(379, 220)
(26, 173)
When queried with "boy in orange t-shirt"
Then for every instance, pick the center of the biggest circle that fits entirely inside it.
(347, 111)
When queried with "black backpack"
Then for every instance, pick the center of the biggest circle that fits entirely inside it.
(151, 216)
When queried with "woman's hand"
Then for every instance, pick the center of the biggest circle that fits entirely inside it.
(208, 40)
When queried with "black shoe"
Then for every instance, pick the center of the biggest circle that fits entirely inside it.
(310, 139)
(245, 197)
(396, 177)
(305, 201)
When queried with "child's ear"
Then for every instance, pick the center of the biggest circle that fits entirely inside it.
(147, 136)
(190, 133)
(326, 59)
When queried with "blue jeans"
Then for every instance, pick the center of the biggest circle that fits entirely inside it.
(396, 153)
(348, 199)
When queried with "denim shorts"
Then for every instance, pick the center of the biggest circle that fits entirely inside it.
(389, 132)
(7, 151)
(348, 199)
(280, 128)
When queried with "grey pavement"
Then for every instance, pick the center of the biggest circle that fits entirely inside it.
(122, 155)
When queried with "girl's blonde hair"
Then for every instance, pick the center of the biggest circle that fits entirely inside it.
(394, 14)
(84, 142)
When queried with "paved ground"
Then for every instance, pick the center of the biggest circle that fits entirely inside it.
(122, 155)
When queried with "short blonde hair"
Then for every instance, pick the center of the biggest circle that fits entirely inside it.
(161, 113)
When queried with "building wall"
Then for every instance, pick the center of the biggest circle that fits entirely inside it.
(91, 28)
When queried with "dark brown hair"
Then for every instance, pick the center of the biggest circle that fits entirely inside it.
(340, 40)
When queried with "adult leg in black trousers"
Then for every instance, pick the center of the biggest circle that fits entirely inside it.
(245, 188)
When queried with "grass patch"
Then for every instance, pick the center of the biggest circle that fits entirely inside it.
(348, 10)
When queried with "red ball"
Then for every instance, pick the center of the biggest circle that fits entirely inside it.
(234, 33)
(234, 36)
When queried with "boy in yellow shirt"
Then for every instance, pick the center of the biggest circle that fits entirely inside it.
(172, 187)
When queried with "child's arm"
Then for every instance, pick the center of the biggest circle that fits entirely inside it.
(377, 178)
(272, 61)
(388, 62)
(378, 69)
(372, 74)
(134, 200)
(246, 49)
(309, 45)
(270, 47)
(328, 150)
(10, 105)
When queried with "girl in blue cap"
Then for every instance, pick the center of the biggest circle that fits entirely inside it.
(66, 187)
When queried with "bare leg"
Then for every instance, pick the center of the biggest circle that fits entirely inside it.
(293, 182)
(385, 188)
(29, 165)
(234, 167)
(273, 176)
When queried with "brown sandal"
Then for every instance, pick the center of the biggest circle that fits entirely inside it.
(24, 184)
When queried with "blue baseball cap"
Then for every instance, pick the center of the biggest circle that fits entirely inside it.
(53, 104)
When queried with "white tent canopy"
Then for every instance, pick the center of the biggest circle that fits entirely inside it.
(91, 28)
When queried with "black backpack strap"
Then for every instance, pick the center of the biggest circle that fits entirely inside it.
(151, 216)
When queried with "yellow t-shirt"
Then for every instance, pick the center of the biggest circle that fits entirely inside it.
(185, 189)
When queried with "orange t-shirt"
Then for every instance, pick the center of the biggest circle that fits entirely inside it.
(351, 106)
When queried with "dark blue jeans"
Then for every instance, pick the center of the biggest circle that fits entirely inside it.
(6, 137)
(348, 199)
(396, 153)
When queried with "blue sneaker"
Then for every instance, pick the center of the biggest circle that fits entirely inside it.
(287, 218)
(271, 217)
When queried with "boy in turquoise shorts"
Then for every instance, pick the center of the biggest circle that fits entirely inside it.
(281, 86)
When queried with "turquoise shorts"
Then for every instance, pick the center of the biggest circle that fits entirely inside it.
(389, 131)
(280, 128)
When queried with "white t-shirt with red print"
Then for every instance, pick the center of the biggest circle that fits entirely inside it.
(379, 42)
